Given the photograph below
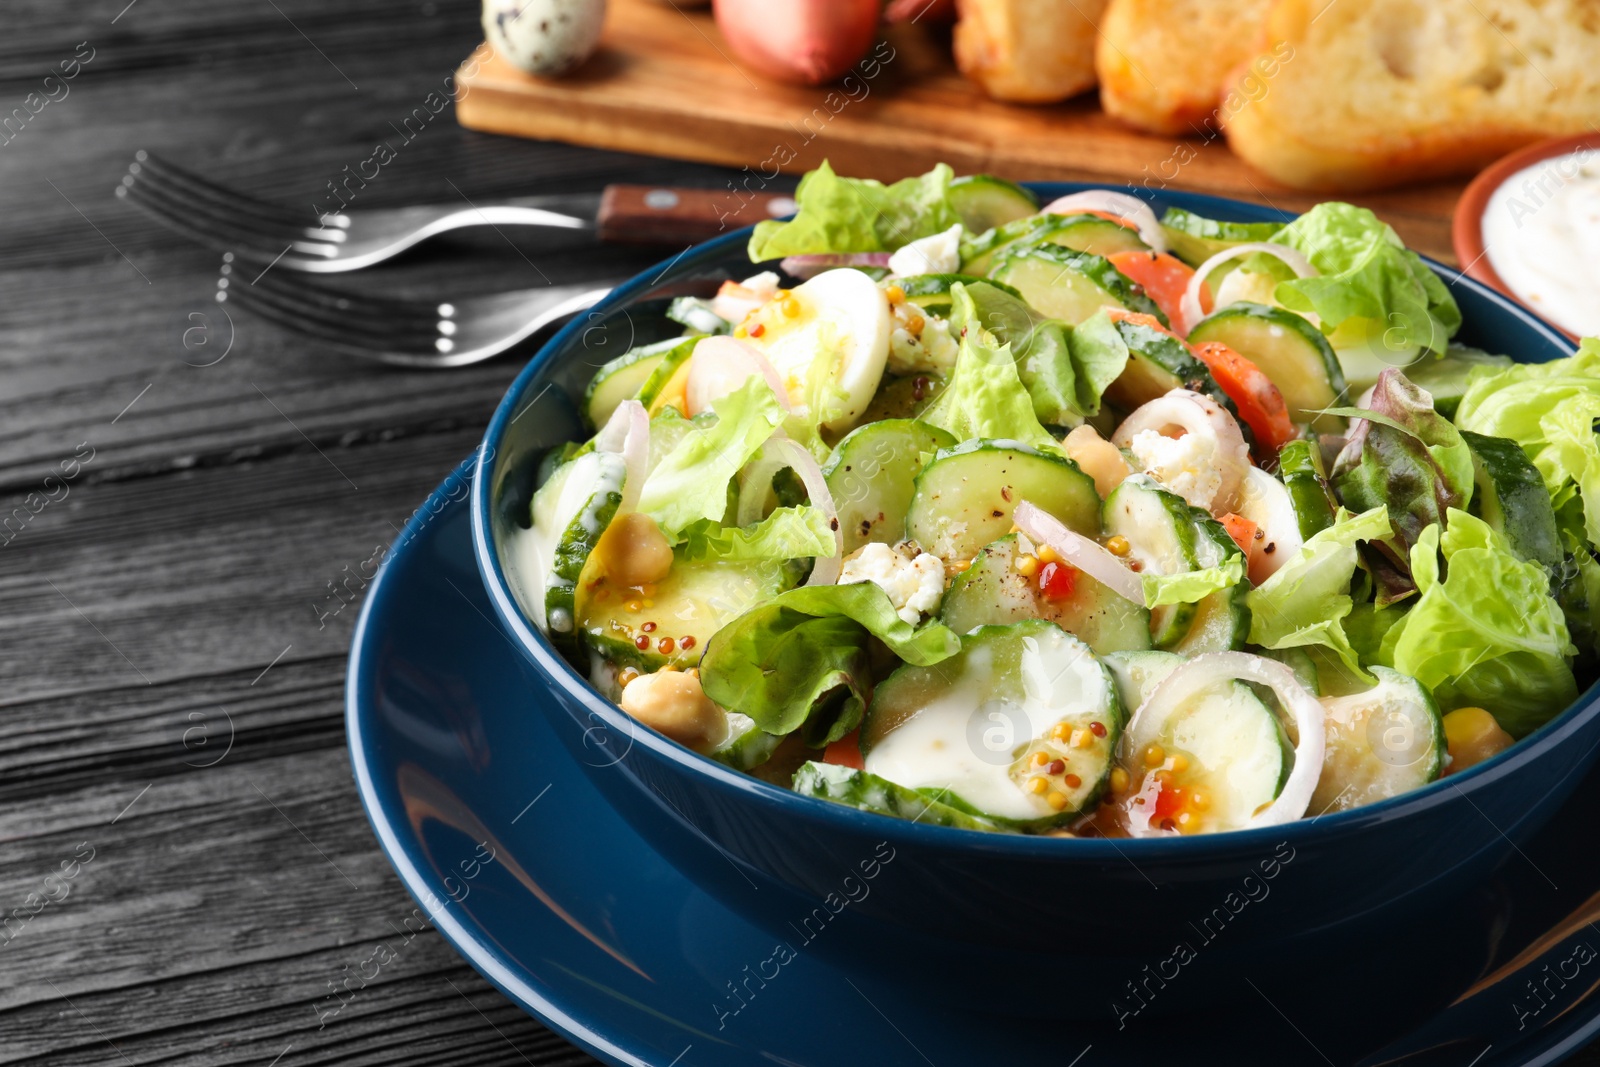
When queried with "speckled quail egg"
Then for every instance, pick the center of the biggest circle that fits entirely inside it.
(544, 36)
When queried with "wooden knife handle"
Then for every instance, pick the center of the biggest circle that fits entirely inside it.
(658, 214)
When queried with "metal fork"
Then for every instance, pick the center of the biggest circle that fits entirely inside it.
(404, 333)
(263, 232)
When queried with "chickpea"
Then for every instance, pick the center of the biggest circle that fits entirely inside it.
(633, 551)
(1098, 458)
(1472, 736)
(673, 703)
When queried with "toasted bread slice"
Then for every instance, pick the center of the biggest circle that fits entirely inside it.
(1162, 63)
(1368, 93)
(1028, 51)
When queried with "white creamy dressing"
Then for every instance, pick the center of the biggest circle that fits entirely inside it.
(1541, 228)
(965, 740)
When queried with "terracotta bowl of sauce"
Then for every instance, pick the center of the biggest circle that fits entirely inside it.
(1529, 226)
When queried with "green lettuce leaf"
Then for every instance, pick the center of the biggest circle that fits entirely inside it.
(1064, 376)
(691, 482)
(1549, 409)
(801, 661)
(985, 396)
(1191, 587)
(1484, 631)
(857, 215)
(787, 533)
(1304, 604)
(1366, 273)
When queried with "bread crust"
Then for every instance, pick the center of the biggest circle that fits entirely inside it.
(1360, 107)
(1028, 51)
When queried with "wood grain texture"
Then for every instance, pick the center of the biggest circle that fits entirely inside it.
(663, 82)
(177, 596)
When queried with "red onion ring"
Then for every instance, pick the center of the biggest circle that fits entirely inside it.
(1213, 668)
(809, 266)
(627, 433)
(1088, 556)
(1128, 208)
(1201, 415)
(722, 364)
(1191, 310)
(826, 569)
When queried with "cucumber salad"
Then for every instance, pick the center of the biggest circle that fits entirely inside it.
(1070, 519)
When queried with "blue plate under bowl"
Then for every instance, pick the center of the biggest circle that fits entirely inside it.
(1018, 925)
(501, 835)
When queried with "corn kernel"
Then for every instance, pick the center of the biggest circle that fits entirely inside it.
(649, 603)
(1072, 781)
(1061, 731)
(1119, 780)
(914, 325)
(648, 589)
(740, 331)
(634, 605)
(1036, 785)
(1082, 739)
(1184, 820)
(960, 566)
(1118, 546)
(1180, 764)
(1199, 801)
(1040, 759)
(1048, 555)
(791, 307)
(628, 674)
(1058, 801)
(895, 294)
(1027, 566)
(1154, 756)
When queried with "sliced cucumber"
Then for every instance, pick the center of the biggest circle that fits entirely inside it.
(1446, 378)
(1509, 494)
(1157, 364)
(964, 498)
(868, 792)
(1381, 743)
(931, 292)
(1221, 621)
(637, 374)
(974, 723)
(1287, 348)
(993, 592)
(690, 605)
(1161, 540)
(1195, 239)
(983, 201)
(872, 475)
(902, 397)
(1138, 673)
(1300, 466)
(1071, 286)
(695, 313)
(1222, 742)
(747, 745)
(570, 512)
(1090, 233)
(1300, 662)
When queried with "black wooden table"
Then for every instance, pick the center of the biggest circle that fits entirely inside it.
(180, 499)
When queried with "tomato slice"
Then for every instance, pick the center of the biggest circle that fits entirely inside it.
(1242, 530)
(1164, 278)
(846, 751)
(1260, 404)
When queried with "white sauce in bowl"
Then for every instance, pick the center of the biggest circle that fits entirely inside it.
(1541, 230)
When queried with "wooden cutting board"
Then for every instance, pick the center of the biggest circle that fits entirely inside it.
(664, 83)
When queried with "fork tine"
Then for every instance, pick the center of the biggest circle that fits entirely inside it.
(221, 234)
(358, 341)
(153, 168)
(346, 304)
(351, 321)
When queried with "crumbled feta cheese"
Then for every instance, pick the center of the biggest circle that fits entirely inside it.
(1183, 464)
(939, 254)
(920, 343)
(914, 585)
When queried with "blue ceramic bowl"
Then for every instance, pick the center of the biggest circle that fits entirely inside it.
(1010, 923)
